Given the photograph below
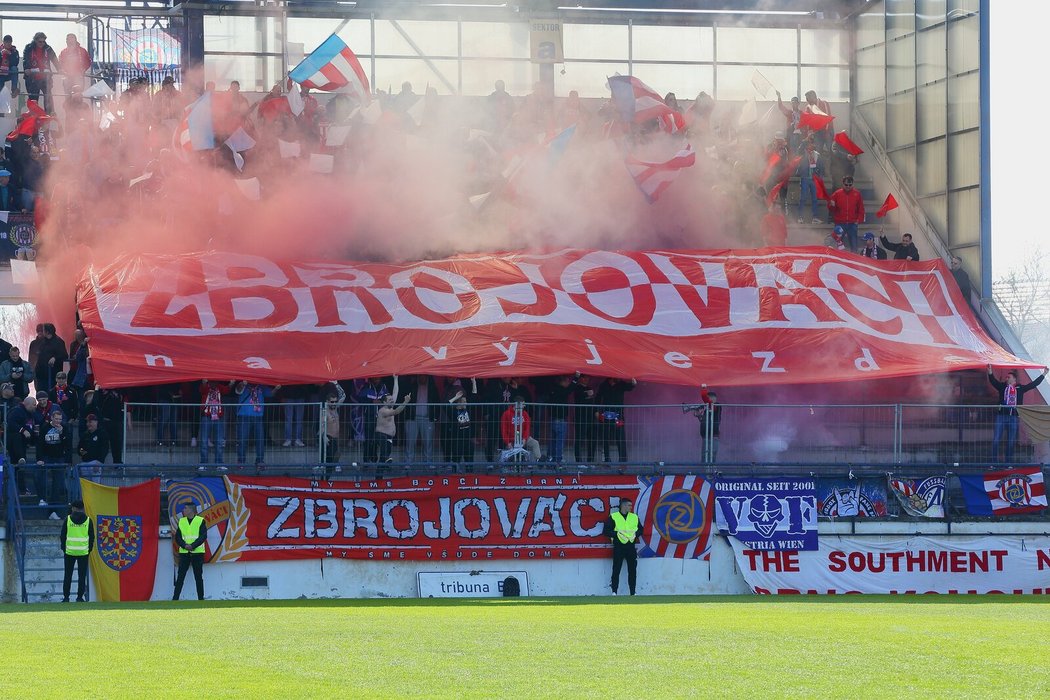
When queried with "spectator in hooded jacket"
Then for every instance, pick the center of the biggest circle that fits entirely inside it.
(51, 354)
(39, 62)
(846, 205)
(17, 371)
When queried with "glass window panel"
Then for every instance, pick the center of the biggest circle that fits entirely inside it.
(964, 220)
(964, 159)
(664, 43)
(391, 72)
(935, 208)
(757, 45)
(240, 33)
(957, 7)
(875, 114)
(871, 28)
(932, 166)
(900, 120)
(930, 12)
(734, 82)
(831, 84)
(870, 75)
(22, 31)
(904, 160)
(932, 111)
(595, 41)
(479, 77)
(312, 31)
(900, 18)
(589, 79)
(496, 39)
(900, 65)
(255, 73)
(964, 46)
(432, 38)
(963, 109)
(824, 46)
(931, 61)
(685, 82)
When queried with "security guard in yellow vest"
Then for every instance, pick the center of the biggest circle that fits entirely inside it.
(190, 537)
(623, 528)
(78, 539)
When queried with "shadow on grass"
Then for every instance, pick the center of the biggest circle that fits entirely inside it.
(541, 601)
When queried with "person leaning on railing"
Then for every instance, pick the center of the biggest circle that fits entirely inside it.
(1011, 395)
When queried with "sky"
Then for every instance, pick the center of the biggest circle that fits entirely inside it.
(1017, 28)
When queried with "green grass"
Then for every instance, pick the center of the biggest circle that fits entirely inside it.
(627, 648)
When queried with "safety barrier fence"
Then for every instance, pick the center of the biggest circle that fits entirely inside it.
(568, 435)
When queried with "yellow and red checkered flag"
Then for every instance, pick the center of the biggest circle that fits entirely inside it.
(126, 521)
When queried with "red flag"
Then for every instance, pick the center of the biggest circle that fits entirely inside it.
(771, 163)
(773, 192)
(818, 185)
(889, 204)
(30, 121)
(815, 121)
(847, 144)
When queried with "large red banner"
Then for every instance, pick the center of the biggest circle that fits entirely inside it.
(775, 315)
(459, 517)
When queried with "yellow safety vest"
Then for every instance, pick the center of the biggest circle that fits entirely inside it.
(626, 527)
(77, 537)
(190, 531)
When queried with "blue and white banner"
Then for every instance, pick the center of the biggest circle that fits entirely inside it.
(778, 513)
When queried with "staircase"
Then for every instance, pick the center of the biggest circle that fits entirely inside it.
(43, 564)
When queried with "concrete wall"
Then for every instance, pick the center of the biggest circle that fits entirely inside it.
(333, 578)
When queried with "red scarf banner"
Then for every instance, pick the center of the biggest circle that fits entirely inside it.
(672, 316)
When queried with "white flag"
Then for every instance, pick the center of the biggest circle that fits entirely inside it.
(295, 100)
(336, 136)
(289, 149)
(761, 83)
(321, 162)
(5, 99)
(100, 89)
(249, 188)
(749, 112)
(23, 272)
(240, 141)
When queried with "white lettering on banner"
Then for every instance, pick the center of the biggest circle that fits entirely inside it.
(257, 362)
(468, 584)
(288, 507)
(510, 351)
(677, 359)
(518, 526)
(576, 517)
(672, 294)
(442, 528)
(352, 521)
(155, 360)
(459, 521)
(438, 354)
(767, 361)
(866, 363)
(595, 358)
(412, 511)
(972, 565)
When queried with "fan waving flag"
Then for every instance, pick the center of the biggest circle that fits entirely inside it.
(843, 140)
(887, 206)
(818, 186)
(331, 66)
(815, 121)
(126, 520)
(197, 130)
(653, 178)
(637, 102)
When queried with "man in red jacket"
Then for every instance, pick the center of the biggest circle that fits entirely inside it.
(516, 430)
(74, 62)
(846, 206)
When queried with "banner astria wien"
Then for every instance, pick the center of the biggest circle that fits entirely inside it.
(672, 316)
(449, 517)
(126, 520)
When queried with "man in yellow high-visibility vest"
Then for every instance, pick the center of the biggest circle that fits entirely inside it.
(190, 536)
(78, 539)
(624, 528)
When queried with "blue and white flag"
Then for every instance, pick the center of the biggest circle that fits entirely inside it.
(778, 513)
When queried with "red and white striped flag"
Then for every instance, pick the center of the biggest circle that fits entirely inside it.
(331, 66)
(676, 514)
(653, 178)
(637, 102)
(1016, 490)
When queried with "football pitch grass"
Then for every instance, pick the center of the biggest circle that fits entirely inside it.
(737, 647)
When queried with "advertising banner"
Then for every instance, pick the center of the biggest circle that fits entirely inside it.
(449, 517)
(672, 316)
(773, 514)
(967, 565)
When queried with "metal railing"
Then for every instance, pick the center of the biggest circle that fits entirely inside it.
(569, 435)
(16, 527)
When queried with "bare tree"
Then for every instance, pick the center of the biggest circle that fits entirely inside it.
(17, 325)
(1023, 296)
